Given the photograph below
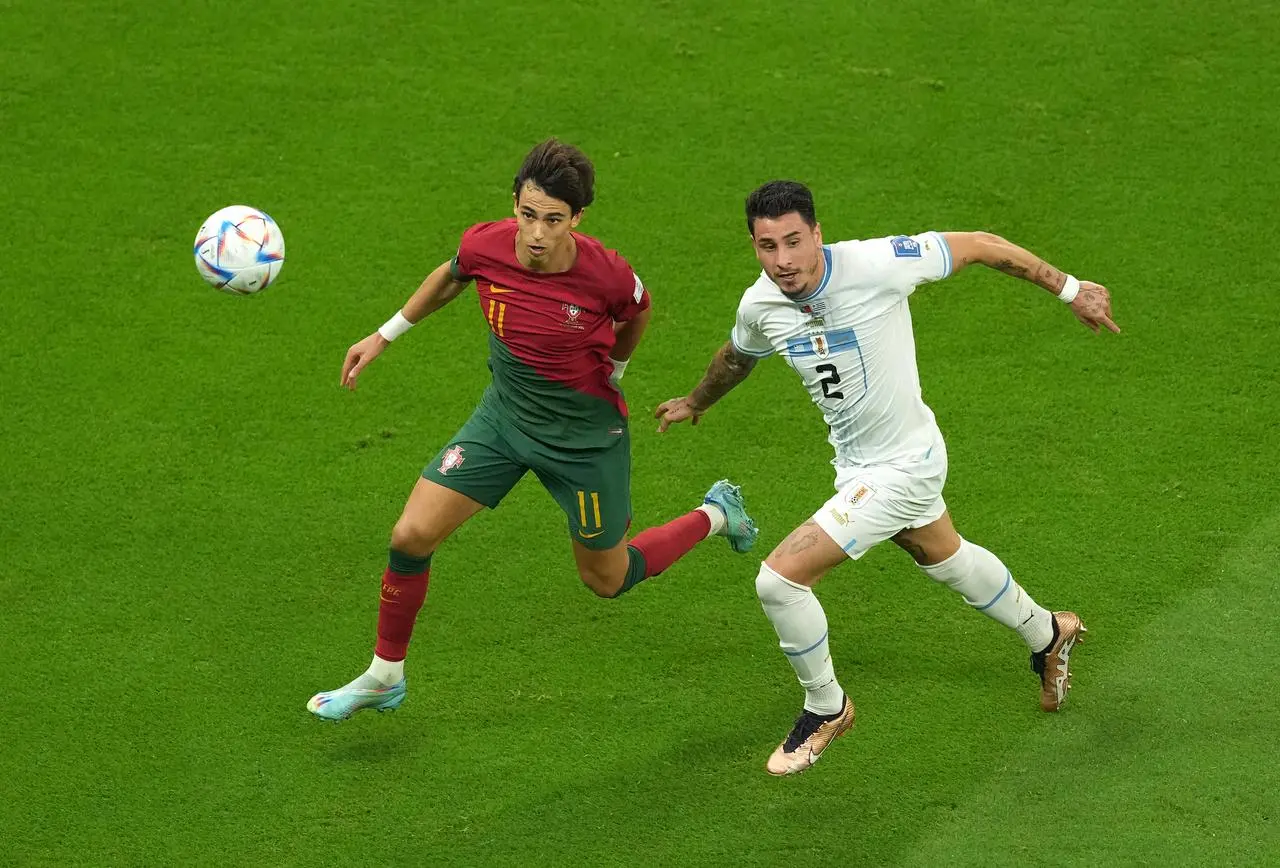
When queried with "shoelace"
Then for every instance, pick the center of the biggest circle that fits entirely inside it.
(806, 725)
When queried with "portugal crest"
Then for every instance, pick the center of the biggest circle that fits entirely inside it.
(453, 458)
(572, 312)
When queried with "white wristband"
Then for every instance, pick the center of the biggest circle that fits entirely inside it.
(394, 327)
(1070, 289)
(619, 368)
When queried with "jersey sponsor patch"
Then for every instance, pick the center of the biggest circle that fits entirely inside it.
(905, 246)
(639, 290)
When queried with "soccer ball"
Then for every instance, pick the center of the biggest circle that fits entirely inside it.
(239, 250)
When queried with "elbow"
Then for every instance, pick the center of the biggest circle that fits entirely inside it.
(988, 245)
(978, 248)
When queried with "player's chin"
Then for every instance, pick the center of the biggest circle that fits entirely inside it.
(791, 285)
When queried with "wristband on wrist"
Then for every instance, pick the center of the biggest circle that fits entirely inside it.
(394, 327)
(1070, 289)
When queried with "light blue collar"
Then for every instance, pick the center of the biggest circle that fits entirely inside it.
(826, 277)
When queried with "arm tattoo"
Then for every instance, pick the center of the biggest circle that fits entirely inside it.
(1008, 266)
(727, 369)
(1038, 272)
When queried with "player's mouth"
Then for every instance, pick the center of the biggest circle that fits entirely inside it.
(788, 277)
(537, 249)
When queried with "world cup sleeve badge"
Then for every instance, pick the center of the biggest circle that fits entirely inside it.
(905, 246)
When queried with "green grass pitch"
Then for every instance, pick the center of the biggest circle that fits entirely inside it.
(195, 515)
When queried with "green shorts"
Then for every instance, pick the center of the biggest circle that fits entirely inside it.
(489, 455)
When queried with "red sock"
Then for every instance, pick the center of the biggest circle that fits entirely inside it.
(663, 546)
(402, 597)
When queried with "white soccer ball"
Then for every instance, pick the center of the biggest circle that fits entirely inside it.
(239, 250)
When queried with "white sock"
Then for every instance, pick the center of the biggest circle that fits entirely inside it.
(987, 585)
(801, 625)
(387, 672)
(718, 520)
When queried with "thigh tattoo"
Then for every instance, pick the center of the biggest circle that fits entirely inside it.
(804, 537)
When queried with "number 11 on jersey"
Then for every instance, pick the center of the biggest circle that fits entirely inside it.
(595, 509)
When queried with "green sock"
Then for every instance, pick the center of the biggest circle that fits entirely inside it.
(635, 570)
(409, 565)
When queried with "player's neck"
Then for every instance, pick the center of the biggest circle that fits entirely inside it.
(560, 261)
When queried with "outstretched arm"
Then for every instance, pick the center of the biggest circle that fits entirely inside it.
(727, 369)
(441, 287)
(1090, 302)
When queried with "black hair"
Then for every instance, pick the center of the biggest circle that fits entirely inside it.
(561, 171)
(776, 198)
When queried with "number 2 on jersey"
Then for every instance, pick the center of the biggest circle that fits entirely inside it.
(832, 378)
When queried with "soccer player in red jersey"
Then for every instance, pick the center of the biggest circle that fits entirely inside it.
(564, 316)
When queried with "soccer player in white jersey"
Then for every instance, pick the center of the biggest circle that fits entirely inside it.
(838, 315)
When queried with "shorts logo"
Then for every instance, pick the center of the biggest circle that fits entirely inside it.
(839, 517)
(572, 312)
(858, 493)
(905, 246)
(453, 458)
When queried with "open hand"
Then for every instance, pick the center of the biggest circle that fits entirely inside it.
(676, 410)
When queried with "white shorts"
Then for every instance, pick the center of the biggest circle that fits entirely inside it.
(875, 503)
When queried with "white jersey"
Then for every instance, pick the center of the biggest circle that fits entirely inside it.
(850, 340)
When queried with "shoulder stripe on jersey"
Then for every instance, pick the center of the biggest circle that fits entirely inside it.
(738, 349)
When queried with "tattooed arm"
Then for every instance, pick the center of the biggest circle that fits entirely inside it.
(727, 369)
(1091, 305)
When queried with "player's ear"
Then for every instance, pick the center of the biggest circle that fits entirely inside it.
(576, 219)
(515, 204)
(817, 233)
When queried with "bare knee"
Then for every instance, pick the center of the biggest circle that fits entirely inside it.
(602, 582)
(415, 538)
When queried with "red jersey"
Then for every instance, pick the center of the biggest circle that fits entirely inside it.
(550, 334)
